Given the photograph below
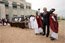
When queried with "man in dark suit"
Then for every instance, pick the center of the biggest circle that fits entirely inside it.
(45, 15)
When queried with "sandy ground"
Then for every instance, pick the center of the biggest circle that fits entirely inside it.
(18, 35)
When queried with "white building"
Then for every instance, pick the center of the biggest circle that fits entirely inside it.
(15, 8)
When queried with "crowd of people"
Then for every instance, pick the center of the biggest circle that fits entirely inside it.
(42, 20)
(39, 23)
(4, 22)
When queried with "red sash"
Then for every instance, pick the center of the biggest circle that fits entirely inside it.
(39, 21)
(8, 21)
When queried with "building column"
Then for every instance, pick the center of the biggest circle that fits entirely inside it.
(2, 11)
(10, 11)
(18, 11)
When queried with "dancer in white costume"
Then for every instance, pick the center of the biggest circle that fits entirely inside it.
(38, 24)
(29, 24)
(36, 27)
(32, 22)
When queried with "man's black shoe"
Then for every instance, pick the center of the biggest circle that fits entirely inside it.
(37, 34)
(47, 35)
(43, 34)
(40, 33)
(52, 38)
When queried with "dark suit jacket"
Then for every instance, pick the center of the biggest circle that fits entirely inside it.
(46, 18)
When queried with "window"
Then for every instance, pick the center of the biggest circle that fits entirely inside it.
(28, 7)
(15, 16)
(7, 16)
(14, 5)
(28, 16)
(22, 6)
(22, 17)
(6, 4)
(2, 1)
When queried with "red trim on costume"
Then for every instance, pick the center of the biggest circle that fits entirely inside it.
(39, 21)
(53, 25)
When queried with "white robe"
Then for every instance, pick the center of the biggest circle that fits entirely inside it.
(19, 19)
(36, 26)
(53, 34)
(29, 24)
(5, 24)
(32, 22)
(16, 19)
(40, 30)
(37, 30)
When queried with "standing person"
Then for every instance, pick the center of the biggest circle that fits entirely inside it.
(32, 21)
(45, 16)
(36, 27)
(5, 21)
(19, 19)
(8, 22)
(53, 25)
(29, 24)
(38, 24)
(16, 19)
